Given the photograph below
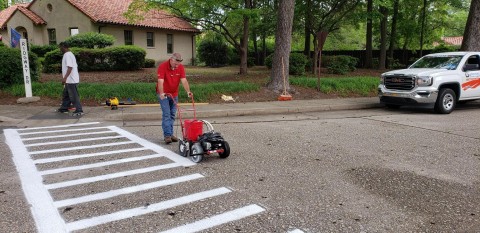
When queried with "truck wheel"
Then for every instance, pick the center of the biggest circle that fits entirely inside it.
(393, 106)
(446, 101)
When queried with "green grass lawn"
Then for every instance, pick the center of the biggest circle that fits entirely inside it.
(212, 81)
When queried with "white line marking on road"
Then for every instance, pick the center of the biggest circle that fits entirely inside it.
(296, 231)
(86, 223)
(160, 150)
(70, 157)
(127, 190)
(46, 216)
(60, 126)
(65, 130)
(80, 147)
(110, 176)
(101, 164)
(218, 219)
(67, 135)
(73, 141)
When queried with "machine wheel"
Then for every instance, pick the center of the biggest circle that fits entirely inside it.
(446, 101)
(393, 106)
(226, 150)
(182, 148)
(197, 153)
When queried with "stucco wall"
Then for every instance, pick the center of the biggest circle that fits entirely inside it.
(182, 42)
(62, 17)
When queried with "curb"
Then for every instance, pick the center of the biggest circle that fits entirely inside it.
(157, 115)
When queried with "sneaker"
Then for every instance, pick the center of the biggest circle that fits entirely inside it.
(168, 139)
(62, 110)
(174, 139)
(77, 113)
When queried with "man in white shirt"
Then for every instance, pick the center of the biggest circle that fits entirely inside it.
(70, 80)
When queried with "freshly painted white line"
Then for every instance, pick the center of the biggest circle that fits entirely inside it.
(110, 176)
(296, 231)
(218, 219)
(79, 147)
(73, 141)
(70, 157)
(67, 135)
(60, 126)
(127, 190)
(160, 150)
(101, 164)
(124, 214)
(61, 131)
(46, 216)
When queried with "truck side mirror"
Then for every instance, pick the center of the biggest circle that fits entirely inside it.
(468, 67)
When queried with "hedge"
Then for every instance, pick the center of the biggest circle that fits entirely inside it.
(108, 59)
(12, 68)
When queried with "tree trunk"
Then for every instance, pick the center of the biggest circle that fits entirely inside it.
(244, 41)
(393, 33)
(255, 48)
(424, 20)
(283, 39)
(264, 48)
(383, 38)
(471, 36)
(308, 24)
(369, 53)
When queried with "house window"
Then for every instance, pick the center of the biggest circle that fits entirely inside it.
(73, 31)
(150, 40)
(169, 43)
(52, 36)
(128, 34)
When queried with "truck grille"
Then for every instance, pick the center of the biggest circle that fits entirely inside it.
(399, 82)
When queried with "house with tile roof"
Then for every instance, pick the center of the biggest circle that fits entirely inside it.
(44, 22)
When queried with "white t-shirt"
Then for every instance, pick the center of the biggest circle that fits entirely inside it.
(70, 61)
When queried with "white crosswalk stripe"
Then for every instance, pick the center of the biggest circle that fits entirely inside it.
(49, 148)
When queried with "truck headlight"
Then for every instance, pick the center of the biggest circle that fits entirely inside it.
(424, 81)
(382, 79)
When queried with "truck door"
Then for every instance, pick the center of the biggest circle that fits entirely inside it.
(471, 81)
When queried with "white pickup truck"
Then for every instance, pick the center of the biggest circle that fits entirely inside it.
(440, 79)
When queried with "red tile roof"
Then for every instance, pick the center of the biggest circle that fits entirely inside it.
(112, 12)
(6, 14)
(454, 40)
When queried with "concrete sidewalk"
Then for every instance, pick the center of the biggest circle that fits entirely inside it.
(138, 113)
(21, 112)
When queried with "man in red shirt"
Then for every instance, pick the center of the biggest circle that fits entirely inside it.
(170, 73)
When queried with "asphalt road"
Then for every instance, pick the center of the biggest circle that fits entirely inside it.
(379, 170)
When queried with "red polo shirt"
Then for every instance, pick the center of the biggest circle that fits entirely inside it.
(171, 78)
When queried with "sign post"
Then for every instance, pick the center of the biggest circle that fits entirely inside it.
(26, 68)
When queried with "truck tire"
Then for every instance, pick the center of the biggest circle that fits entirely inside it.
(446, 101)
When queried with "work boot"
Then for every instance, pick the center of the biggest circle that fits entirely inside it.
(174, 139)
(168, 139)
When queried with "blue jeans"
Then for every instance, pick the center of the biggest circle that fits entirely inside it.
(169, 110)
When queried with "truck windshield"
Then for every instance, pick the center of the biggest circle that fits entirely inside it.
(439, 62)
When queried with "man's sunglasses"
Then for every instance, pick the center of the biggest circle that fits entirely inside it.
(179, 60)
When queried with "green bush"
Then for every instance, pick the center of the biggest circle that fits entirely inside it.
(269, 61)
(107, 59)
(90, 40)
(41, 50)
(296, 64)
(149, 63)
(340, 64)
(444, 48)
(213, 52)
(12, 68)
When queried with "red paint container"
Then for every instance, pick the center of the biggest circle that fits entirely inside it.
(193, 129)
